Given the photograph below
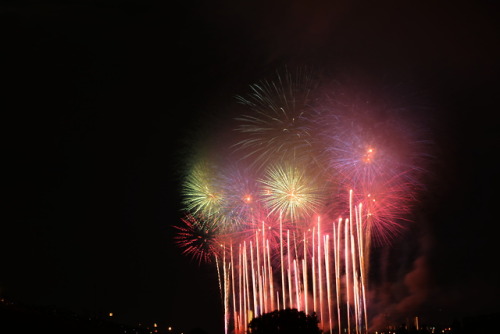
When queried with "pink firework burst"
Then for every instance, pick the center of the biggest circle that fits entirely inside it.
(198, 240)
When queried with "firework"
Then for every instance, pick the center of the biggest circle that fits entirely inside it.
(198, 239)
(371, 148)
(242, 202)
(287, 190)
(279, 126)
(291, 219)
(202, 192)
(368, 153)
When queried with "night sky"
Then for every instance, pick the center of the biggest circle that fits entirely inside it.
(103, 102)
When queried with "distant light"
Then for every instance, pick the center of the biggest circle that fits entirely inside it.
(110, 314)
(155, 325)
(169, 328)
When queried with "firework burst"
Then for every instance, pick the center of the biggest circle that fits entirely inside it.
(242, 201)
(198, 239)
(280, 126)
(287, 190)
(310, 183)
(202, 193)
(369, 140)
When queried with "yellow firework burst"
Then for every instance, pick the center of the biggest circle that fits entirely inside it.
(288, 190)
(202, 194)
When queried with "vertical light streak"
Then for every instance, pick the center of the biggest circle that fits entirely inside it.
(226, 294)
(265, 287)
(297, 290)
(354, 277)
(348, 239)
(304, 270)
(289, 271)
(336, 246)
(314, 278)
(328, 287)
(218, 276)
(278, 299)
(261, 295)
(282, 263)
(304, 273)
(271, 281)
(233, 284)
(320, 277)
(346, 263)
(246, 284)
(258, 279)
(362, 263)
(254, 288)
(264, 269)
(241, 301)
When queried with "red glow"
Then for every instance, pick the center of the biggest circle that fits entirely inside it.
(368, 157)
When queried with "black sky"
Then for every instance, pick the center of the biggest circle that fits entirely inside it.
(103, 100)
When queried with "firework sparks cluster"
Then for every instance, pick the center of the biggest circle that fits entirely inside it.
(314, 177)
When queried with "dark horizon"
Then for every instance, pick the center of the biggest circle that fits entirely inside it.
(104, 101)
